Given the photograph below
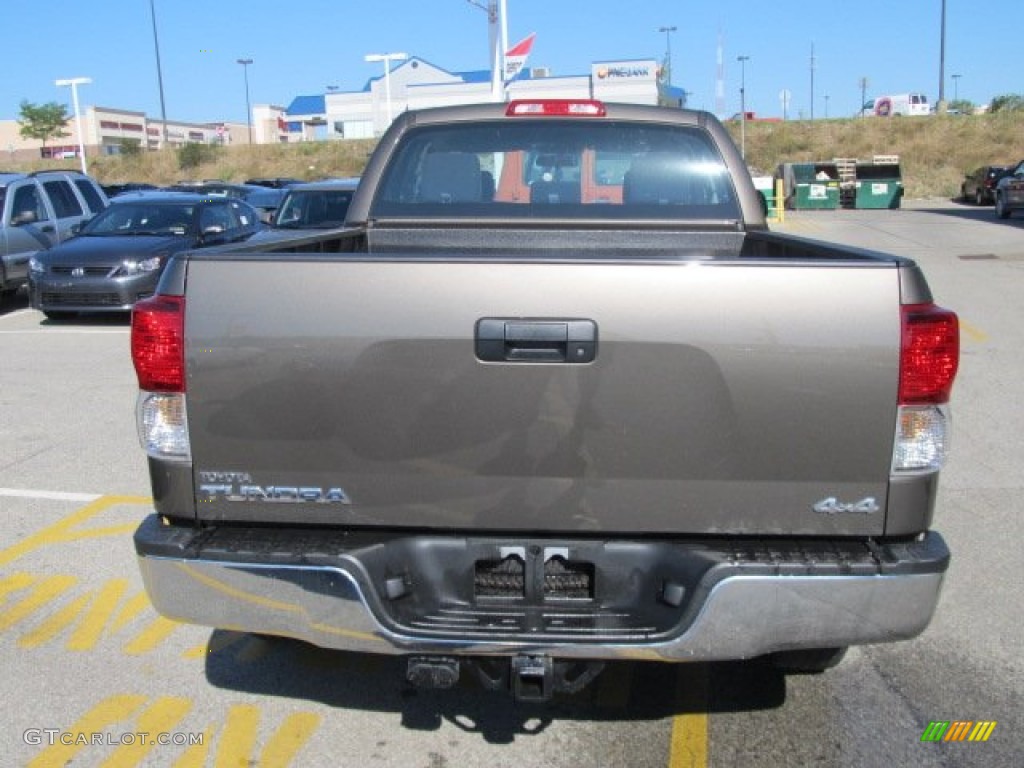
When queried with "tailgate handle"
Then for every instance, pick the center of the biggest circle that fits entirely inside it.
(524, 340)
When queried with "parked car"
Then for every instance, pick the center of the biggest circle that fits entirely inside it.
(979, 185)
(113, 190)
(316, 205)
(37, 211)
(1010, 192)
(264, 199)
(276, 182)
(117, 257)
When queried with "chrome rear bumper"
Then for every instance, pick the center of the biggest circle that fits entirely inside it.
(730, 612)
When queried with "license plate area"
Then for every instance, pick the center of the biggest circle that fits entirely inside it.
(534, 574)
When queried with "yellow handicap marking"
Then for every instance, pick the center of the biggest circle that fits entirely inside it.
(68, 528)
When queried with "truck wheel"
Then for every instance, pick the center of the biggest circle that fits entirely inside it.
(809, 661)
(1001, 210)
(979, 199)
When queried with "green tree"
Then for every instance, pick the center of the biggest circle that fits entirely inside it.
(1008, 102)
(131, 147)
(43, 121)
(963, 106)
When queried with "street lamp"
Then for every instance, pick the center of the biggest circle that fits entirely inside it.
(74, 82)
(159, 76)
(668, 52)
(743, 104)
(248, 110)
(387, 58)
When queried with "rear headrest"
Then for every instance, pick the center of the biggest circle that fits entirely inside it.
(450, 177)
(656, 179)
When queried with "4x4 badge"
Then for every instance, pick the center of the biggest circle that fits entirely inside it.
(832, 506)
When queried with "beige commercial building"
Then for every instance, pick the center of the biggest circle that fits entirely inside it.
(105, 131)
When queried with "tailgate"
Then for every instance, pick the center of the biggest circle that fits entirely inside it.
(722, 397)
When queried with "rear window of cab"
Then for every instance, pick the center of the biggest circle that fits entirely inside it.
(556, 168)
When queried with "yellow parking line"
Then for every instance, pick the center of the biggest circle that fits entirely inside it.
(111, 711)
(242, 724)
(162, 716)
(64, 530)
(287, 740)
(689, 743)
(974, 334)
(42, 593)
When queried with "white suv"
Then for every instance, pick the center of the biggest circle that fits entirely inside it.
(37, 211)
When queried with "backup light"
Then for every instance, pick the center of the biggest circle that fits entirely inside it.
(162, 424)
(556, 108)
(922, 439)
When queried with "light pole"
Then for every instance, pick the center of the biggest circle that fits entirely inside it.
(159, 76)
(942, 61)
(668, 53)
(74, 82)
(248, 110)
(743, 104)
(387, 58)
(956, 88)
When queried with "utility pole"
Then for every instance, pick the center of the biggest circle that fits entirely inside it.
(743, 104)
(942, 62)
(248, 109)
(863, 82)
(813, 64)
(159, 75)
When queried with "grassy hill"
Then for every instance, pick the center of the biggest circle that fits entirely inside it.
(934, 152)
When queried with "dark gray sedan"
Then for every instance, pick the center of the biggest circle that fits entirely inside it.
(117, 257)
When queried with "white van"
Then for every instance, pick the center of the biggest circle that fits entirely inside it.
(897, 104)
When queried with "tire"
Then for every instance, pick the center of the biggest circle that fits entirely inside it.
(979, 198)
(1001, 210)
(809, 661)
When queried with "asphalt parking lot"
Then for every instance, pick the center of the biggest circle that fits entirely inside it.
(89, 667)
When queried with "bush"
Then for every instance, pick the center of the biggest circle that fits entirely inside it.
(1009, 102)
(193, 155)
(131, 147)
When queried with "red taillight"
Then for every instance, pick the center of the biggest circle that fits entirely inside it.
(158, 343)
(929, 355)
(556, 108)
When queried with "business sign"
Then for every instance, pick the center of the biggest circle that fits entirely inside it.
(626, 70)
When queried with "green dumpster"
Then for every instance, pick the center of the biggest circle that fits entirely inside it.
(811, 186)
(878, 185)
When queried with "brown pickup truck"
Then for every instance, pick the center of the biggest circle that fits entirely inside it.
(553, 396)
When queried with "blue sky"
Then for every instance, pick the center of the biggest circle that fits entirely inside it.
(299, 47)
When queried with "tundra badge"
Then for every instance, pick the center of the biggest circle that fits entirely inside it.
(239, 486)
